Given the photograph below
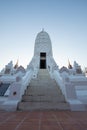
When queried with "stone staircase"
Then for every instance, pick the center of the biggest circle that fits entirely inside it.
(43, 94)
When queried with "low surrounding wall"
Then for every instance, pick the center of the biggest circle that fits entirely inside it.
(16, 91)
(68, 89)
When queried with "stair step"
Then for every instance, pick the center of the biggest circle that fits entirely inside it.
(43, 106)
(40, 92)
(42, 98)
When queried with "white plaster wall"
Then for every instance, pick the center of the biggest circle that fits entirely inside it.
(42, 44)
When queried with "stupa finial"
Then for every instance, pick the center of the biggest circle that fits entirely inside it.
(69, 65)
(42, 29)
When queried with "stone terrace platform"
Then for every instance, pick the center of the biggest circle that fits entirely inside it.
(43, 120)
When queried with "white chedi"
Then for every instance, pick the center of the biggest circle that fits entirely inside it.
(77, 68)
(9, 68)
(43, 55)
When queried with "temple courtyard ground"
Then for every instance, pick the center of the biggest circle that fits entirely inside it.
(43, 120)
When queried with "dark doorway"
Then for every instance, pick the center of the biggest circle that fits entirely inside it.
(42, 64)
(43, 55)
(42, 60)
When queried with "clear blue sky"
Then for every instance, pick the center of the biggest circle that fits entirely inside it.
(64, 20)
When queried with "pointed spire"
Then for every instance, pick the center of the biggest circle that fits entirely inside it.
(16, 65)
(42, 29)
(68, 62)
(69, 65)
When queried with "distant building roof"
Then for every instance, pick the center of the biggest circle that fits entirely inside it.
(21, 68)
(64, 69)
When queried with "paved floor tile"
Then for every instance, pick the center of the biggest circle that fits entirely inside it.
(43, 120)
